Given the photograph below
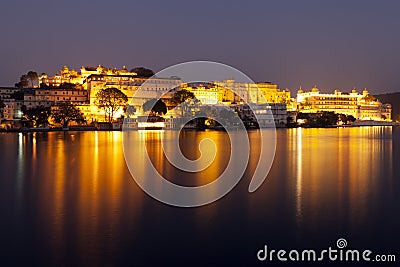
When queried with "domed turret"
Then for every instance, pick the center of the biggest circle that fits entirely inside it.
(315, 89)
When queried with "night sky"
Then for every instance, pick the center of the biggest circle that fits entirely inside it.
(333, 44)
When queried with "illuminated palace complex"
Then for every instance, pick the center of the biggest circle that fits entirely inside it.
(360, 106)
(261, 96)
(78, 78)
(128, 84)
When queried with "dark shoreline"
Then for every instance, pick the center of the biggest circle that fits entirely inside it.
(210, 129)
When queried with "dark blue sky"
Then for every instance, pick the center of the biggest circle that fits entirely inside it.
(334, 44)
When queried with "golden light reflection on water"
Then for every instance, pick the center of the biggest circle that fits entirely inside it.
(34, 145)
(142, 144)
(299, 173)
(83, 196)
(103, 192)
(340, 169)
(59, 193)
(329, 178)
(20, 164)
(82, 185)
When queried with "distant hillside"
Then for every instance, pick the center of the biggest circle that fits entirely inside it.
(394, 99)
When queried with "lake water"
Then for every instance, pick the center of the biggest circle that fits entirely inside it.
(68, 199)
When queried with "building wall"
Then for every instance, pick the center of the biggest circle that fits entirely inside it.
(207, 95)
(273, 94)
(49, 97)
(240, 91)
(251, 93)
(267, 115)
(12, 110)
(6, 92)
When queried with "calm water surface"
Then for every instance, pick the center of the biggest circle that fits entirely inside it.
(67, 199)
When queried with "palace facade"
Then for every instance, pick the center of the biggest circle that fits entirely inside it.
(360, 106)
(78, 77)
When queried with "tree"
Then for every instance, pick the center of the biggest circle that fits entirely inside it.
(155, 106)
(181, 96)
(327, 118)
(343, 118)
(23, 81)
(32, 77)
(322, 119)
(143, 72)
(110, 100)
(65, 113)
(303, 116)
(67, 86)
(200, 119)
(63, 86)
(39, 115)
(346, 119)
(129, 110)
(350, 118)
(43, 86)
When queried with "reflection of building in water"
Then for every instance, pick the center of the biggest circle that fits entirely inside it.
(361, 106)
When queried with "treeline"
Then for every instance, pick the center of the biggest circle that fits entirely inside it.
(324, 119)
(62, 114)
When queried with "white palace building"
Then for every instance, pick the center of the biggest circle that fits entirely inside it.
(361, 106)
